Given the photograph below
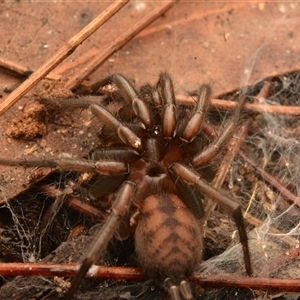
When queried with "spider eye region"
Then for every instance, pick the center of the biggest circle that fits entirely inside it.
(156, 131)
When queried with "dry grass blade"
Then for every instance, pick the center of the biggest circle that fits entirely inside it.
(64, 52)
(117, 44)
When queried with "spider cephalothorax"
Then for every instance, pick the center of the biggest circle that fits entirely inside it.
(150, 165)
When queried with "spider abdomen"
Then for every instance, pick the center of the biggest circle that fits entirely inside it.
(168, 240)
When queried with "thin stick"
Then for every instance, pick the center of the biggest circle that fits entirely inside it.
(271, 230)
(280, 261)
(233, 148)
(128, 273)
(20, 70)
(62, 270)
(272, 180)
(96, 62)
(236, 142)
(59, 56)
(75, 203)
(84, 208)
(256, 283)
(259, 108)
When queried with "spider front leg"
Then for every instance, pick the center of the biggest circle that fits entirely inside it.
(119, 209)
(227, 133)
(166, 93)
(105, 184)
(104, 167)
(192, 178)
(126, 135)
(128, 92)
(194, 124)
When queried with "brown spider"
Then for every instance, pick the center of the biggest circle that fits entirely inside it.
(155, 150)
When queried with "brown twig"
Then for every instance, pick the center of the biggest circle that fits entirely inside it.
(19, 70)
(85, 208)
(105, 272)
(239, 138)
(128, 273)
(271, 230)
(263, 93)
(74, 203)
(258, 108)
(282, 260)
(230, 155)
(96, 62)
(273, 181)
(256, 283)
(63, 52)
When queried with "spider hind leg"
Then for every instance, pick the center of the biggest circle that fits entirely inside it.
(119, 209)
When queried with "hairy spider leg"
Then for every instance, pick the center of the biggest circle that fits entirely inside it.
(191, 177)
(190, 196)
(227, 133)
(119, 209)
(128, 92)
(102, 185)
(194, 124)
(105, 167)
(126, 135)
(166, 92)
